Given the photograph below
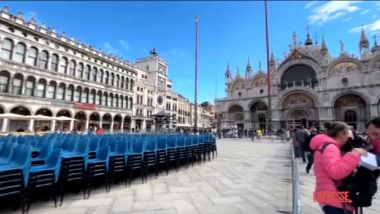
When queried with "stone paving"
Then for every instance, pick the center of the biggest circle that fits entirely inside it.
(307, 186)
(247, 177)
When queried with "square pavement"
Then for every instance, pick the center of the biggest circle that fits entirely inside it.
(246, 177)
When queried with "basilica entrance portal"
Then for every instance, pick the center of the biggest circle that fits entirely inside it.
(299, 118)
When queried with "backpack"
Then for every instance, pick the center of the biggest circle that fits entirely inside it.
(361, 185)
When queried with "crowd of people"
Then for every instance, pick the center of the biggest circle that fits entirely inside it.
(240, 133)
(336, 151)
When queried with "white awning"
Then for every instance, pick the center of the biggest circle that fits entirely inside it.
(12, 116)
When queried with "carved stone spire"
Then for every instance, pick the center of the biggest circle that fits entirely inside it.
(363, 43)
(248, 70)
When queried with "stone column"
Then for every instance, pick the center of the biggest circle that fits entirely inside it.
(374, 111)
(71, 125)
(143, 126)
(133, 123)
(111, 126)
(31, 125)
(23, 86)
(122, 126)
(52, 127)
(87, 123)
(4, 127)
(10, 83)
(101, 122)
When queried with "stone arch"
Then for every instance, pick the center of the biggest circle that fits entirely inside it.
(21, 110)
(236, 115)
(259, 80)
(45, 111)
(258, 111)
(5, 74)
(117, 122)
(127, 123)
(344, 66)
(298, 75)
(94, 119)
(107, 119)
(352, 109)
(303, 61)
(80, 121)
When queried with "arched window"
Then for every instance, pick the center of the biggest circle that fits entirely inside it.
(32, 56)
(107, 78)
(94, 74)
(101, 76)
(63, 65)
(77, 94)
(87, 72)
(127, 83)
(20, 53)
(126, 102)
(130, 102)
(4, 81)
(91, 97)
(117, 81)
(41, 86)
(98, 98)
(112, 79)
(69, 93)
(122, 82)
(6, 49)
(115, 101)
(54, 62)
(51, 90)
(121, 101)
(131, 85)
(30, 85)
(79, 72)
(72, 68)
(43, 63)
(85, 96)
(110, 100)
(61, 91)
(17, 84)
(104, 99)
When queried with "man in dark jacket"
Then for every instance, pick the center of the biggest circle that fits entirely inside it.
(301, 137)
(310, 152)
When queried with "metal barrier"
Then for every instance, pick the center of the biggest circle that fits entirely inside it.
(296, 199)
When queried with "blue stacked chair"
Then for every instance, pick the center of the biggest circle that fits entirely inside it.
(196, 151)
(210, 145)
(161, 157)
(98, 167)
(201, 146)
(74, 164)
(180, 149)
(171, 149)
(43, 154)
(45, 176)
(6, 152)
(14, 176)
(135, 158)
(93, 147)
(189, 151)
(150, 143)
(118, 159)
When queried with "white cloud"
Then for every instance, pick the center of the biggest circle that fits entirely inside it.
(332, 10)
(310, 4)
(124, 44)
(373, 27)
(365, 11)
(347, 19)
(110, 49)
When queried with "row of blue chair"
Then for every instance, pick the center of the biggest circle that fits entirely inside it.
(53, 161)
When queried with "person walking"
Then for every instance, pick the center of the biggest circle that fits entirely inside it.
(301, 136)
(331, 167)
(259, 134)
(310, 152)
(99, 131)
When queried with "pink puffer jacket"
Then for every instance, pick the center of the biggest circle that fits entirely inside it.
(331, 165)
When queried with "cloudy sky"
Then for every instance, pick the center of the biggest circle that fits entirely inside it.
(229, 32)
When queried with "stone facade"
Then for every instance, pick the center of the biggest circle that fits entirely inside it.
(308, 87)
(45, 73)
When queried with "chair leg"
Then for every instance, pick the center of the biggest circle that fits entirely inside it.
(142, 172)
(55, 194)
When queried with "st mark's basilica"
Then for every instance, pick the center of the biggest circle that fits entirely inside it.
(309, 87)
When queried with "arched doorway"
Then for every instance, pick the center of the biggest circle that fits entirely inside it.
(107, 122)
(80, 121)
(127, 123)
(236, 117)
(258, 112)
(94, 120)
(298, 109)
(117, 123)
(43, 125)
(63, 125)
(351, 108)
(19, 124)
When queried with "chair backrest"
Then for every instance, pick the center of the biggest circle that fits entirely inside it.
(104, 154)
(161, 142)
(194, 139)
(187, 140)
(6, 150)
(136, 145)
(82, 146)
(54, 161)
(23, 159)
(112, 144)
(94, 145)
(180, 140)
(45, 151)
(150, 143)
(170, 141)
(16, 152)
(121, 147)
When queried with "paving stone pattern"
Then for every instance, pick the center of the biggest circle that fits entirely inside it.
(247, 177)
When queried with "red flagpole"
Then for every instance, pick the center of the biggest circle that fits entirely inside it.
(268, 69)
(196, 77)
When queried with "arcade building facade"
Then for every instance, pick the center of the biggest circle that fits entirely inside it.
(308, 87)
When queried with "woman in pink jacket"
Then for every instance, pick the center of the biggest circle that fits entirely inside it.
(331, 167)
